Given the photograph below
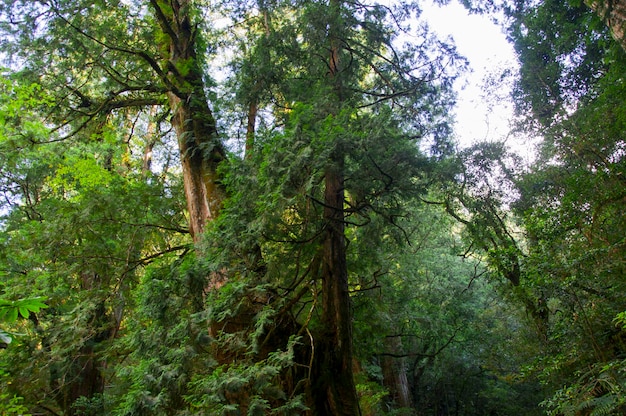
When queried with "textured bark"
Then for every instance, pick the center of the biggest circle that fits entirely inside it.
(253, 108)
(333, 382)
(395, 374)
(196, 136)
(192, 119)
(613, 14)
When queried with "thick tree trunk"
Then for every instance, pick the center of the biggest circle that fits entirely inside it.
(613, 14)
(334, 390)
(333, 384)
(200, 155)
(192, 119)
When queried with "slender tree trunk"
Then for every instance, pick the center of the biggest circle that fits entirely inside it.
(253, 108)
(613, 14)
(260, 82)
(151, 141)
(395, 374)
(192, 119)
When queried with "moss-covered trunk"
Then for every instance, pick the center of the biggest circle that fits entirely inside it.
(192, 119)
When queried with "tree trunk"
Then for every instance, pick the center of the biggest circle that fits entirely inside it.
(395, 374)
(253, 108)
(192, 119)
(260, 83)
(613, 14)
(334, 391)
(196, 135)
(151, 141)
(333, 386)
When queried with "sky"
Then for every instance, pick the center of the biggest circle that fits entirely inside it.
(483, 112)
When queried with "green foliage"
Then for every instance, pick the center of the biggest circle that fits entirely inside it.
(258, 382)
(571, 204)
(161, 344)
(563, 49)
(371, 396)
(11, 310)
(140, 323)
(12, 405)
(600, 391)
(435, 311)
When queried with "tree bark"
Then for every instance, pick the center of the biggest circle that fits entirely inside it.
(395, 374)
(196, 136)
(613, 14)
(253, 108)
(192, 119)
(333, 387)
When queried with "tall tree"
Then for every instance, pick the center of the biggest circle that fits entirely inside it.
(334, 388)
(111, 42)
(200, 149)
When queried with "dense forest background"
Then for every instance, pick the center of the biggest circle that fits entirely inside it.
(258, 207)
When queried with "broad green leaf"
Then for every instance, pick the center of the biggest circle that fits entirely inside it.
(24, 311)
(12, 315)
(4, 311)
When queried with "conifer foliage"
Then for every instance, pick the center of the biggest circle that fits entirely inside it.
(253, 314)
(256, 207)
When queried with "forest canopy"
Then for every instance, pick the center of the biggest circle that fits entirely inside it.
(260, 208)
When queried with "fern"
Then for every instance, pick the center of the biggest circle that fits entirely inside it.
(605, 405)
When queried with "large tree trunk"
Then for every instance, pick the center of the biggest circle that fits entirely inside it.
(613, 14)
(333, 383)
(200, 155)
(334, 391)
(192, 119)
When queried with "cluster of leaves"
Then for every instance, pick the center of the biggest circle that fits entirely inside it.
(79, 223)
(11, 310)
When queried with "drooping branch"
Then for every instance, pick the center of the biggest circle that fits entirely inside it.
(138, 53)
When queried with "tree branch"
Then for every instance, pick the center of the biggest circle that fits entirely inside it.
(141, 54)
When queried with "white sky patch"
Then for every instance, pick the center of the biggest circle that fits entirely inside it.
(484, 110)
